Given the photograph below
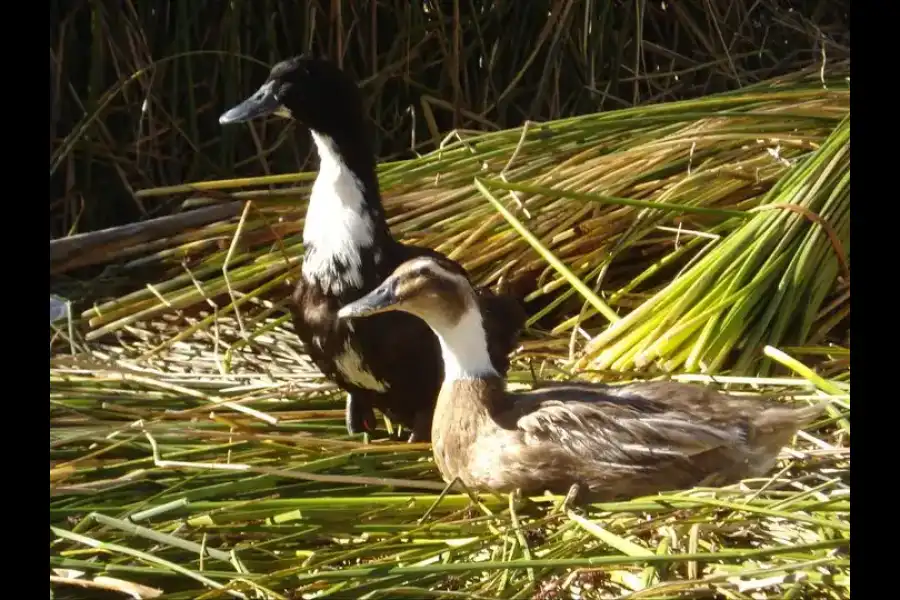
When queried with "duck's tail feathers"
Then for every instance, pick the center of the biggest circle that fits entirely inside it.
(808, 415)
(785, 418)
(773, 429)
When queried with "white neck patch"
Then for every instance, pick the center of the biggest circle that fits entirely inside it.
(464, 344)
(337, 223)
(464, 348)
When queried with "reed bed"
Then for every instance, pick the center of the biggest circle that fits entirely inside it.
(196, 453)
(667, 183)
(178, 480)
(136, 89)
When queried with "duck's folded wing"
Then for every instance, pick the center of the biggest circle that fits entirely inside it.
(612, 430)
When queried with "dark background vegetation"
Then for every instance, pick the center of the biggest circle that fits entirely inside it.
(136, 87)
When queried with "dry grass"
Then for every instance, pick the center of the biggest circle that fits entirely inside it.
(178, 477)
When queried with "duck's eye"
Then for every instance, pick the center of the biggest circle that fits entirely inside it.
(280, 92)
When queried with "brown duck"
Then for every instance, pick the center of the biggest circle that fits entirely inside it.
(607, 442)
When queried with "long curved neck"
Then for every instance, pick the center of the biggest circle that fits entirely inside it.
(345, 230)
(464, 347)
(471, 392)
(350, 151)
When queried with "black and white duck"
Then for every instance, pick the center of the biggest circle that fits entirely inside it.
(593, 441)
(391, 362)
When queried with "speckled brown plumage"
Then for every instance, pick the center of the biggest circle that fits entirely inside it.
(614, 441)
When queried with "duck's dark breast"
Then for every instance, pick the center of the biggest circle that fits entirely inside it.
(390, 360)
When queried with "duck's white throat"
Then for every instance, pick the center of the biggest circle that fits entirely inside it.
(338, 225)
(464, 347)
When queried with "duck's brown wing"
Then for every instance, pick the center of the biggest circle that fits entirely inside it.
(625, 441)
(611, 448)
(627, 431)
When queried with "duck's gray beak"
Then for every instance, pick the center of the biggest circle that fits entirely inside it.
(263, 102)
(380, 299)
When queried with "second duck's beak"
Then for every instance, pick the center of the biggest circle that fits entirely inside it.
(380, 299)
(263, 102)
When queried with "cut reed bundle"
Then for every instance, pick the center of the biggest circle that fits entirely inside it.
(588, 189)
(763, 284)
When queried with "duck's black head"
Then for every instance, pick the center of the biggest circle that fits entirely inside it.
(313, 91)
